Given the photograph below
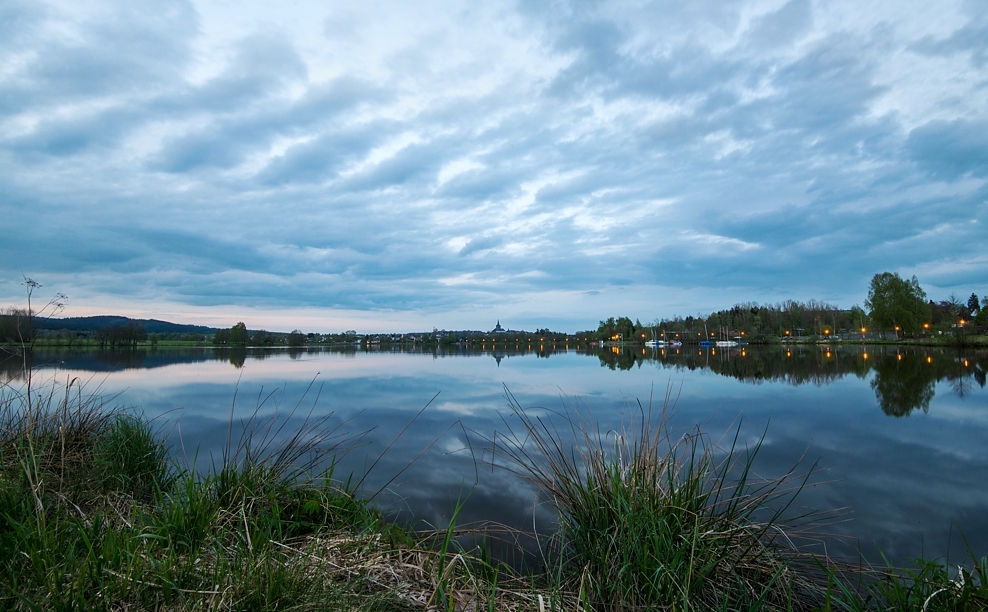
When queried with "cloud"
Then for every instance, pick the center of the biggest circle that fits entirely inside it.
(482, 243)
(782, 27)
(969, 39)
(69, 55)
(951, 149)
(449, 162)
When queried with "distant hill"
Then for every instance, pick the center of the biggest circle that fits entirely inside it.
(151, 326)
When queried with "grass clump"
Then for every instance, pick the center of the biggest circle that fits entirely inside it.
(95, 516)
(928, 586)
(650, 523)
(60, 443)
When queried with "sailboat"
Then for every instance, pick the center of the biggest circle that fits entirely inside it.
(725, 343)
(653, 343)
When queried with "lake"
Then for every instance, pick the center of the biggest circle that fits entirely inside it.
(900, 435)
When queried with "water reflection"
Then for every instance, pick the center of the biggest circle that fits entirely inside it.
(238, 356)
(906, 479)
(12, 365)
(903, 378)
(903, 383)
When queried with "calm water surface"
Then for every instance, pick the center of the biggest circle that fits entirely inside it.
(901, 434)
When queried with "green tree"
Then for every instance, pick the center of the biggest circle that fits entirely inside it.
(296, 338)
(262, 337)
(973, 304)
(222, 336)
(896, 302)
(238, 334)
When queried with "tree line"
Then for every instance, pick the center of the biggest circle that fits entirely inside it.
(239, 335)
(16, 326)
(894, 304)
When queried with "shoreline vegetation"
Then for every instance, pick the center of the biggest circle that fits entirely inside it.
(974, 340)
(94, 515)
(898, 312)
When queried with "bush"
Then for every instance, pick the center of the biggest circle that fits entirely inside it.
(647, 522)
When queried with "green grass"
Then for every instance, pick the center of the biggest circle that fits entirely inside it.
(94, 515)
(927, 586)
(649, 522)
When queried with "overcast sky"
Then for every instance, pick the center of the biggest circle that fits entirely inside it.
(408, 165)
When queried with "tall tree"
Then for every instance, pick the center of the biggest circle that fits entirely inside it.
(238, 334)
(896, 302)
(973, 304)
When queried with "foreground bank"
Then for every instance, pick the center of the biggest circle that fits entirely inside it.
(94, 516)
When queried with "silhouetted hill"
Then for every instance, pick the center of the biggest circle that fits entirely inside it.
(151, 326)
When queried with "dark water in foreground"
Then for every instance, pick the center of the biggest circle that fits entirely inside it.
(901, 434)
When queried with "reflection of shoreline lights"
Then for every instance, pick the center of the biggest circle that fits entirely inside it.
(404, 379)
(865, 355)
(929, 360)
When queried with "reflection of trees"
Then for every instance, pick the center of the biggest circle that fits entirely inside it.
(962, 386)
(13, 364)
(904, 379)
(965, 370)
(238, 356)
(792, 366)
(94, 360)
(620, 360)
(903, 383)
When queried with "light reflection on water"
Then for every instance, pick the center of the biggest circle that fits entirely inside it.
(903, 434)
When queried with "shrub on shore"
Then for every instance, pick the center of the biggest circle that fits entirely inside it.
(648, 522)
